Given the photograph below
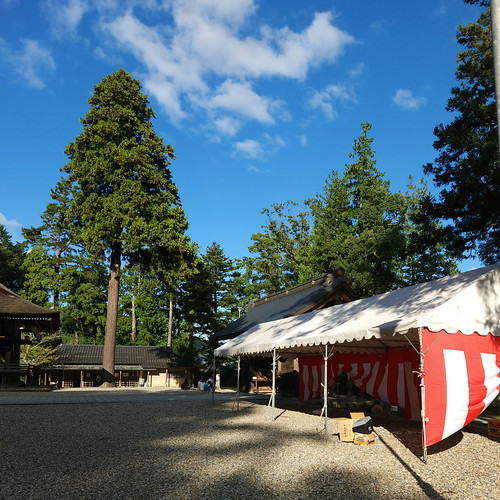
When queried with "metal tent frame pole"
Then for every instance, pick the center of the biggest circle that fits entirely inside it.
(213, 382)
(238, 385)
(272, 400)
(325, 389)
(421, 374)
(324, 411)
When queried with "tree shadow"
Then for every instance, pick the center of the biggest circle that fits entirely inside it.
(191, 449)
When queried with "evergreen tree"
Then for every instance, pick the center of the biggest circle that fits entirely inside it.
(425, 258)
(357, 223)
(211, 296)
(122, 194)
(83, 300)
(210, 300)
(279, 253)
(52, 246)
(11, 258)
(467, 169)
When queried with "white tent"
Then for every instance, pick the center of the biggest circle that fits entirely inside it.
(467, 302)
(452, 324)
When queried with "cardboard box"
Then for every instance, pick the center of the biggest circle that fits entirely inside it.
(364, 439)
(345, 426)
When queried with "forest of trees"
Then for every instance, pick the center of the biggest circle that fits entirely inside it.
(113, 253)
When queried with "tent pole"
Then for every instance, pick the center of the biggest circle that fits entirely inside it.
(238, 386)
(213, 382)
(274, 384)
(422, 397)
(325, 390)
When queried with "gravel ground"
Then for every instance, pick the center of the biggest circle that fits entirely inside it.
(199, 450)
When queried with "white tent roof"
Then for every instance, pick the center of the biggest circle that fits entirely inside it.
(469, 302)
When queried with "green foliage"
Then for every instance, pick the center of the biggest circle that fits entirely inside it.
(11, 258)
(144, 308)
(211, 296)
(357, 223)
(426, 258)
(122, 188)
(280, 252)
(52, 247)
(40, 277)
(380, 238)
(122, 197)
(83, 300)
(40, 352)
(467, 169)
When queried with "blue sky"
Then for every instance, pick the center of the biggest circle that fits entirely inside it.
(260, 100)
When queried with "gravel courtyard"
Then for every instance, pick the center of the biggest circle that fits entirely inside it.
(193, 449)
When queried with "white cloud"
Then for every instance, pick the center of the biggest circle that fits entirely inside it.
(274, 143)
(65, 16)
(238, 97)
(406, 100)
(192, 55)
(249, 149)
(31, 62)
(302, 140)
(253, 169)
(9, 223)
(357, 70)
(259, 150)
(324, 99)
(226, 125)
(208, 56)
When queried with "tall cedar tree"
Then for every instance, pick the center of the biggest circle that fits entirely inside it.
(357, 223)
(467, 168)
(123, 196)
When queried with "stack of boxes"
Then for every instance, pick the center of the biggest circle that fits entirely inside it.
(358, 429)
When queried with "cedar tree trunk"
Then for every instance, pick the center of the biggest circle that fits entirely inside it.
(108, 360)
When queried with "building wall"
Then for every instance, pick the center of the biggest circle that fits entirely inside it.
(170, 378)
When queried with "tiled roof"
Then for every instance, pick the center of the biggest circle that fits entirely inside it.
(316, 293)
(144, 357)
(14, 307)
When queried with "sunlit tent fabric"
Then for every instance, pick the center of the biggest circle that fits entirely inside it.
(452, 323)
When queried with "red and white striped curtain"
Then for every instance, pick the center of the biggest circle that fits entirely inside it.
(461, 375)
(390, 377)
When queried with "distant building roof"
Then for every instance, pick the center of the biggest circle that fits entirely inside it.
(131, 357)
(14, 307)
(317, 293)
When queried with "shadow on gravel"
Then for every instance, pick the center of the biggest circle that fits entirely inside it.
(164, 449)
(409, 433)
(425, 487)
